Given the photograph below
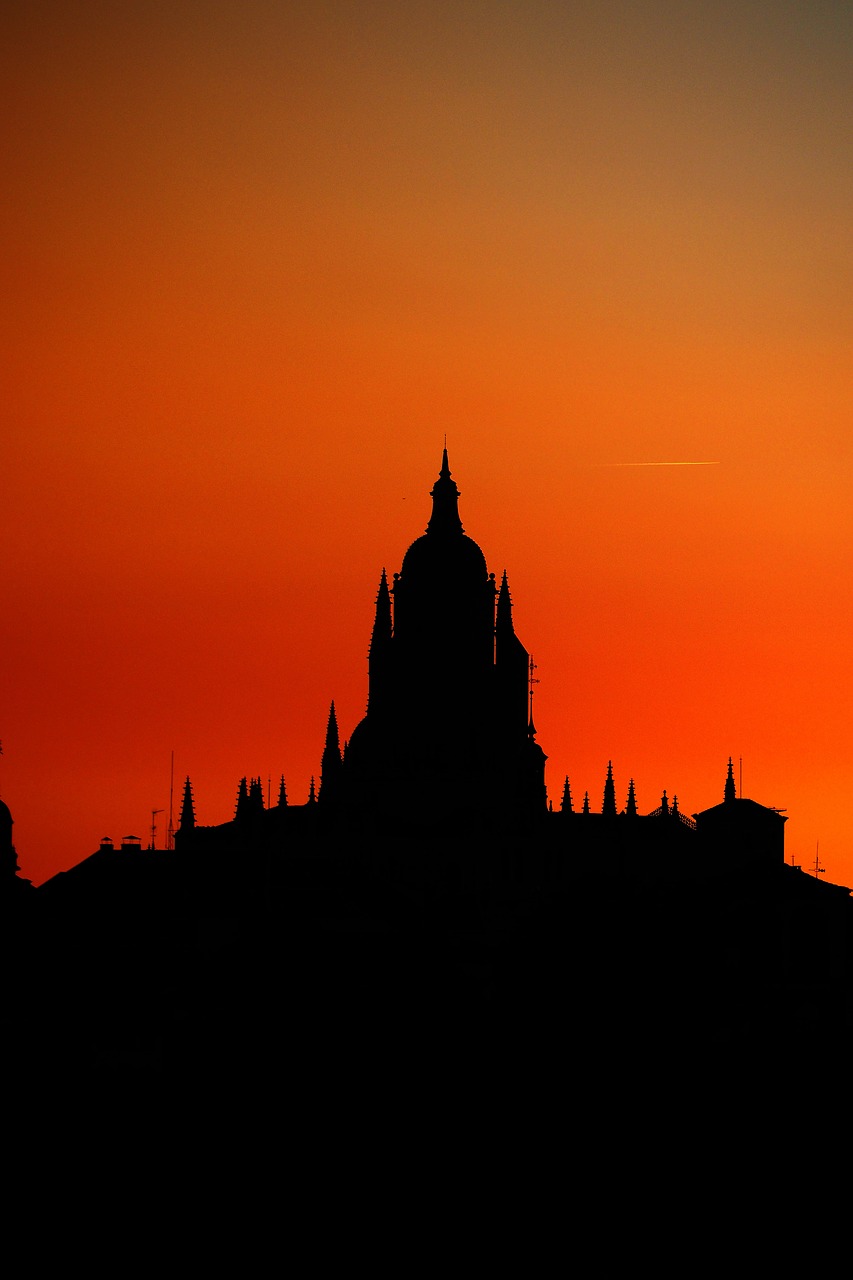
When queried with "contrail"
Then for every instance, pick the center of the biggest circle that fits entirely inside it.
(656, 464)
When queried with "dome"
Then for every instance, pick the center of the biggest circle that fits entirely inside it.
(450, 558)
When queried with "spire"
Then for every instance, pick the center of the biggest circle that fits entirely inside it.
(187, 808)
(566, 802)
(379, 656)
(608, 807)
(445, 497)
(282, 794)
(585, 802)
(503, 620)
(631, 807)
(331, 763)
(382, 621)
(333, 740)
(664, 805)
(730, 793)
(242, 808)
(312, 795)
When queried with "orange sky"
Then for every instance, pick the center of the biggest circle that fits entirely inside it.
(259, 258)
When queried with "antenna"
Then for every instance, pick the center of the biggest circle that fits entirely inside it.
(818, 869)
(154, 813)
(740, 778)
(170, 835)
(531, 679)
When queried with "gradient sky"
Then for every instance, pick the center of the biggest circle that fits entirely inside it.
(259, 257)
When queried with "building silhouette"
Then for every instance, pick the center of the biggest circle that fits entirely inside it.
(427, 903)
(447, 749)
(12, 883)
(446, 738)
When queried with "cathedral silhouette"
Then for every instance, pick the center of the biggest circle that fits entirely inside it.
(447, 748)
(427, 903)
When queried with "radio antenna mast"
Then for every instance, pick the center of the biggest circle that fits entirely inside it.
(818, 869)
(154, 812)
(170, 834)
(531, 680)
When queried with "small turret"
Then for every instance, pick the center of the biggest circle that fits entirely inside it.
(379, 655)
(382, 621)
(241, 810)
(585, 808)
(608, 807)
(282, 794)
(331, 763)
(566, 802)
(631, 807)
(730, 792)
(187, 821)
(256, 798)
(511, 668)
(503, 618)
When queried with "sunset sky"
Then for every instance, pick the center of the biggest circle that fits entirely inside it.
(259, 258)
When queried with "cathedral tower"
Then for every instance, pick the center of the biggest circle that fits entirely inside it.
(446, 734)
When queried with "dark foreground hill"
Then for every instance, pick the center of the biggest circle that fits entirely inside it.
(429, 968)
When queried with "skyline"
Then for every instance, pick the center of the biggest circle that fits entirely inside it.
(260, 262)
